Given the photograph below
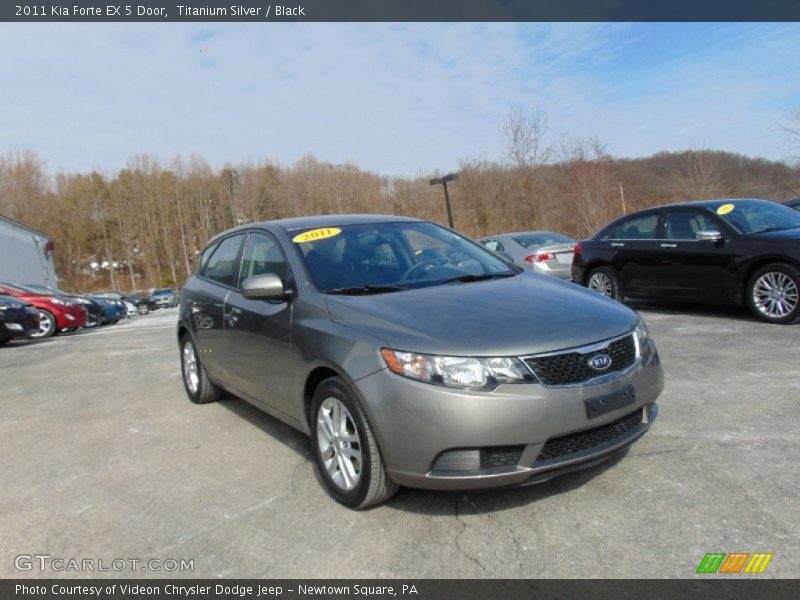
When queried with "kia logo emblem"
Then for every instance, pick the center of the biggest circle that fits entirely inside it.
(600, 362)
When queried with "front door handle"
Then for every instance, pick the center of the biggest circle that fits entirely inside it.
(669, 245)
(617, 244)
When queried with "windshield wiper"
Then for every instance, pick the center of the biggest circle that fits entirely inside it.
(482, 277)
(770, 229)
(364, 290)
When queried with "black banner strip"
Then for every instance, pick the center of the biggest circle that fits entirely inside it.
(424, 589)
(400, 10)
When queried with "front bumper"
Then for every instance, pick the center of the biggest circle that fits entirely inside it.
(18, 322)
(69, 316)
(429, 434)
(561, 271)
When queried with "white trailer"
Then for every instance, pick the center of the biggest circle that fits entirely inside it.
(26, 255)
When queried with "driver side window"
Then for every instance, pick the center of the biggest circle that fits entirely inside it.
(262, 256)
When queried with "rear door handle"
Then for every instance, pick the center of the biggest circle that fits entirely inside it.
(669, 245)
(617, 244)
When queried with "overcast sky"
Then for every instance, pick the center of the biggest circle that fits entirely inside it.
(400, 99)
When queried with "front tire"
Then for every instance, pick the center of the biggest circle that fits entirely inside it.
(199, 388)
(143, 309)
(47, 325)
(773, 293)
(345, 451)
(604, 281)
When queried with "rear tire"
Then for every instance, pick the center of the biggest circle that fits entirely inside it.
(47, 325)
(773, 293)
(199, 388)
(143, 309)
(346, 454)
(604, 281)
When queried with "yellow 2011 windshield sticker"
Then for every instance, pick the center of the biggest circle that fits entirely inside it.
(316, 234)
(725, 209)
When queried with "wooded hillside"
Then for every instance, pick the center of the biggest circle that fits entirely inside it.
(144, 226)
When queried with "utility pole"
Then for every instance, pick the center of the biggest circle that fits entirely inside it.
(622, 197)
(443, 181)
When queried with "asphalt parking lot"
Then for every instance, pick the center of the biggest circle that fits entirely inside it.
(105, 458)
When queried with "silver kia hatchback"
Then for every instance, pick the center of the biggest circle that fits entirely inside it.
(413, 356)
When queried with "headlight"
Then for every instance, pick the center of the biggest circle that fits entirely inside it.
(646, 347)
(457, 371)
(60, 301)
(642, 335)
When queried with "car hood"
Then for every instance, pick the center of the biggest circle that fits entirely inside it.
(516, 316)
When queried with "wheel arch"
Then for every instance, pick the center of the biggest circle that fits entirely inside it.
(591, 266)
(313, 380)
(755, 265)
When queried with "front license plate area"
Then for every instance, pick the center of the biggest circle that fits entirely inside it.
(601, 405)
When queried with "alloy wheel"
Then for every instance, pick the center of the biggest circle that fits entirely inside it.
(191, 374)
(600, 282)
(46, 325)
(775, 294)
(339, 443)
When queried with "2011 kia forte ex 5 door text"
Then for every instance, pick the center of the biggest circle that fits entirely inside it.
(413, 356)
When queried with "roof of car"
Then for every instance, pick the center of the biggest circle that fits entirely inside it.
(513, 233)
(335, 220)
(704, 203)
(295, 223)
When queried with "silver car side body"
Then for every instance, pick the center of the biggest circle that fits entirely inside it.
(296, 342)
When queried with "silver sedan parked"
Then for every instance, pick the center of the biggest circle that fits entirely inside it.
(413, 356)
(545, 252)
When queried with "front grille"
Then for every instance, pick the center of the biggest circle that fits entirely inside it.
(590, 438)
(573, 367)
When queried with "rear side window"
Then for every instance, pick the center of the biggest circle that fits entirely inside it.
(204, 259)
(636, 228)
(221, 265)
(494, 246)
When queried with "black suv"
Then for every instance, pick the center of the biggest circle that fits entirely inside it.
(740, 252)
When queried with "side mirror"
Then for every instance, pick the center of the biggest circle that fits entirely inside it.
(708, 235)
(264, 287)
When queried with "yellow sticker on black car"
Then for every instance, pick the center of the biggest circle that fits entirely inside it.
(316, 234)
(725, 209)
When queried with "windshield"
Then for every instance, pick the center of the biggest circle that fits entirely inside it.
(383, 257)
(756, 216)
(541, 238)
(162, 292)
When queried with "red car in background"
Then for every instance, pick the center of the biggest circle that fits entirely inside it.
(55, 312)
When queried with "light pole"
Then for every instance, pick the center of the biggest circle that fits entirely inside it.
(443, 181)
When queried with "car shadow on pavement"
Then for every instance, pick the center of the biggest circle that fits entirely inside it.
(443, 503)
(275, 428)
(729, 313)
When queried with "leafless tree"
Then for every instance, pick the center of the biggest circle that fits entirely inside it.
(791, 131)
(525, 138)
